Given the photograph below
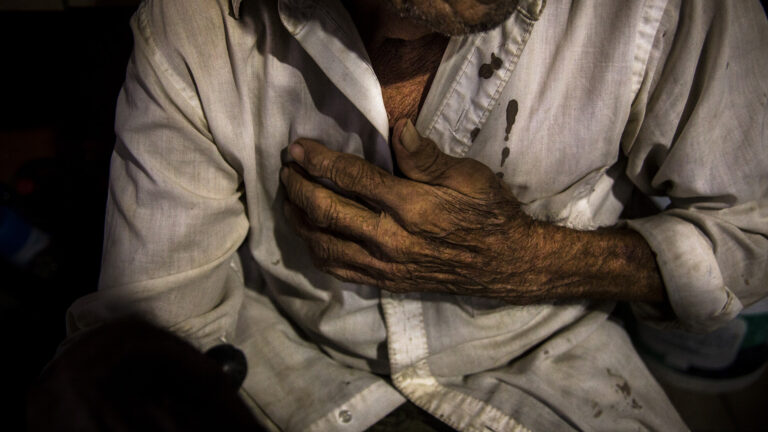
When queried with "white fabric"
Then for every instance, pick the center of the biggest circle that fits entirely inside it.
(665, 96)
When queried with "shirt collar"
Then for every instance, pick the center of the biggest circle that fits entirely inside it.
(531, 8)
(235, 4)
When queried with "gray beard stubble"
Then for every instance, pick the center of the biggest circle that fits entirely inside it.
(455, 26)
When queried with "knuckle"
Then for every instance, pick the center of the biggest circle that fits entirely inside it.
(325, 166)
(294, 188)
(412, 215)
(432, 163)
(407, 272)
(323, 251)
(314, 203)
(345, 172)
(327, 215)
(417, 212)
(394, 243)
(430, 160)
(377, 177)
(313, 159)
(321, 208)
(297, 193)
(316, 196)
(353, 173)
(382, 244)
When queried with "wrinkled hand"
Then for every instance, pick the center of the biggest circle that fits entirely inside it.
(452, 226)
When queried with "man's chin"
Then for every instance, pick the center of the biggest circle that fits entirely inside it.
(454, 25)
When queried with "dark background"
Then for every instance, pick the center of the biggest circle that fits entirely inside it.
(60, 75)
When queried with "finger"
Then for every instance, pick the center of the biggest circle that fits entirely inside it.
(387, 281)
(323, 206)
(350, 173)
(360, 277)
(420, 159)
(354, 276)
(330, 251)
(327, 210)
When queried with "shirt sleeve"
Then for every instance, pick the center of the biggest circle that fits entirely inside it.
(697, 135)
(174, 217)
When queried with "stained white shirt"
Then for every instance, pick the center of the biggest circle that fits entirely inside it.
(590, 100)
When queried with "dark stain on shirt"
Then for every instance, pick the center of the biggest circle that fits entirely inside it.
(624, 388)
(511, 116)
(495, 62)
(500, 175)
(473, 134)
(504, 155)
(597, 411)
(487, 69)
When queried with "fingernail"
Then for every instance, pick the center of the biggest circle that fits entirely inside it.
(297, 152)
(409, 137)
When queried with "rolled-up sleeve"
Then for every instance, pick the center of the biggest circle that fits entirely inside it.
(698, 136)
(174, 214)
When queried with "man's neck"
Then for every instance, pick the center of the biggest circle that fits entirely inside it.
(404, 54)
(405, 70)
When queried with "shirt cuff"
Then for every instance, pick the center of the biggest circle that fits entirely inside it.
(695, 288)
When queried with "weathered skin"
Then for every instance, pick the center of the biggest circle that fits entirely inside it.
(451, 226)
(455, 17)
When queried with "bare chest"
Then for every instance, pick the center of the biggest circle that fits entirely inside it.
(405, 70)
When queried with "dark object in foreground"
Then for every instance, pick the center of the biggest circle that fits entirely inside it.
(231, 361)
(128, 375)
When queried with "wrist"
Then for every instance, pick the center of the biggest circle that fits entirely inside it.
(608, 263)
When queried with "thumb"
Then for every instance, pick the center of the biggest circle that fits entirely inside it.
(418, 157)
(421, 160)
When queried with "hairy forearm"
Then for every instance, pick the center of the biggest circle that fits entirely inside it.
(609, 263)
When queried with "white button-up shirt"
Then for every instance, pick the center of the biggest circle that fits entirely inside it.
(590, 101)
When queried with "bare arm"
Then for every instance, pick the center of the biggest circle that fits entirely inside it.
(610, 263)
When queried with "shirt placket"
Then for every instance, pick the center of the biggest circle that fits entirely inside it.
(467, 86)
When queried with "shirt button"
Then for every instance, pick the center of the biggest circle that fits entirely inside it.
(345, 416)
